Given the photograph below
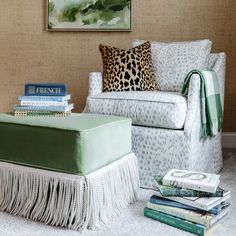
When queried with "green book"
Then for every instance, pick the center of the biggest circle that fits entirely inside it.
(169, 191)
(176, 222)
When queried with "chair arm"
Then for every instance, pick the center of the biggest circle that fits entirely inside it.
(95, 83)
(193, 116)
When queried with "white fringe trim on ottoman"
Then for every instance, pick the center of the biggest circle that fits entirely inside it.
(66, 200)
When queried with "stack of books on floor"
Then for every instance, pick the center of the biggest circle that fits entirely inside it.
(191, 201)
(44, 100)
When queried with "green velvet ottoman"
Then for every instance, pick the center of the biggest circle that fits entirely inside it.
(76, 172)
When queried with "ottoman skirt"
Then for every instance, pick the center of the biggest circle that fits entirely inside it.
(69, 200)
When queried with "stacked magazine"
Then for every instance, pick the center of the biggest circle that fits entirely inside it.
(192, 201)
(44, 100)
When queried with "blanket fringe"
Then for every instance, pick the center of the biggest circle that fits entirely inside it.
(70, 201)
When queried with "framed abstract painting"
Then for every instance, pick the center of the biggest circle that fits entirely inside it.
(89, 15)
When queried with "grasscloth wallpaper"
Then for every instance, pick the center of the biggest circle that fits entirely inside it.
(28, 53)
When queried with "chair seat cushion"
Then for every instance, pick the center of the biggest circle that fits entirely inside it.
(79, 144)
(145, 108)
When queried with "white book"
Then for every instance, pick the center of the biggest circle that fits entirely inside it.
(203, 203)
(192, 180)
(44, 108)
(43, 103)
(203, 218)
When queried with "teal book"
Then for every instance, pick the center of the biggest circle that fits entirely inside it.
(169, 191)
(44, 98)
(175, 222)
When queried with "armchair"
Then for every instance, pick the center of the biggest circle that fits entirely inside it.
(165, 125)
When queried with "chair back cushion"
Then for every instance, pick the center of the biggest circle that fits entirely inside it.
(172, 61)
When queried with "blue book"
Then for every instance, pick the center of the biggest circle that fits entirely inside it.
(45, 98)
(45, 90)
(161, 201)
(44, 108)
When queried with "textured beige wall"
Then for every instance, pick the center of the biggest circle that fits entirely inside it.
(28, 53)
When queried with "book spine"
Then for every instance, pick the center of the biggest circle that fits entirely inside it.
(178, 192)
(182, 213)
(205, 204)
(43, 108)
(45, 90)
(169, 191)
(45, 98)
(176, 222)
(171, 203)
(43, 103)
(180, 184)
(41, 113)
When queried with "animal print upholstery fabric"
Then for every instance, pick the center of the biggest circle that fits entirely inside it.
(155, 109)
(159, 150)
(95, 83)
(172, 61)
(127, 70)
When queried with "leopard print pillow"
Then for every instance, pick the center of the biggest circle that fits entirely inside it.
(129, 70)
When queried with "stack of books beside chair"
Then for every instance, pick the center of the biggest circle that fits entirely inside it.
(188, 200)
(44, 100)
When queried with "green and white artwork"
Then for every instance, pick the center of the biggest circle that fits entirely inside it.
(89, 15)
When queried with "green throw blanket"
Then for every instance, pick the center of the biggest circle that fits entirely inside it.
(211, 108)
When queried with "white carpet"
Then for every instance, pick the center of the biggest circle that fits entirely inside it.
(131, 221)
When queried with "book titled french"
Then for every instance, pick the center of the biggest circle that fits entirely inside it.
(192, 180)
(45, 89)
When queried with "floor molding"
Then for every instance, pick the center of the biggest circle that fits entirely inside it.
(229, 139)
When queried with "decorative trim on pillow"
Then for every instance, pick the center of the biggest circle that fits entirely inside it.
(128, 70)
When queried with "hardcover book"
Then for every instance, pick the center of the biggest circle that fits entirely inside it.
(203, 218)
(203, 203)
(45, 89)
(188, 226)
(176, 222)
(166, 202)
(43, 103)
(192, 180)
(169, 191)
(42, 113)
(45, 98)
(44, 108)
